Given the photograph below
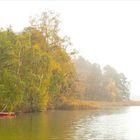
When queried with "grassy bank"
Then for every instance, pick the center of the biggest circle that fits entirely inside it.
(73, 104)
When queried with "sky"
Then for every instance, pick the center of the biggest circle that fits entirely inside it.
(104, 32)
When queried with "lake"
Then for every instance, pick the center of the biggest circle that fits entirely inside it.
(110, 124)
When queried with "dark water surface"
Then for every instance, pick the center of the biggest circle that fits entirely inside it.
(110, 124)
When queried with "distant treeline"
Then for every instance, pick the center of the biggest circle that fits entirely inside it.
(94, 83)
(37, 71)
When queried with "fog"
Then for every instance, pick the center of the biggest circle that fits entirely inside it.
(104, 32)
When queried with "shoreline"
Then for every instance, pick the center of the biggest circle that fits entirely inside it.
(73, 104)
(85, 105)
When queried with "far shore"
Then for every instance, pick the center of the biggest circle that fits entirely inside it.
(82, 104)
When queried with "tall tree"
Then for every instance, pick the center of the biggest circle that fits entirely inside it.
(116, 81)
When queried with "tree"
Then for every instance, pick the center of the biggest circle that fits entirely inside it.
(117, 82)
(94, 82)
(34, 66)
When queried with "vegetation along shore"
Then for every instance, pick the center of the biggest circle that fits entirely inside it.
(39, 70)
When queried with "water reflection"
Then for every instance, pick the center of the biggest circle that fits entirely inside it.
(110, 124)
(133, 123)
(116, 124)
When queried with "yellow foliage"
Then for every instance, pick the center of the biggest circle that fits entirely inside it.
(36, 46)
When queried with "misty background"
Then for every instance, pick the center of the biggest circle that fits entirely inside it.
(102, 32)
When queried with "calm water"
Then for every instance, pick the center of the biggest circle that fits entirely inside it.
(111, 124)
